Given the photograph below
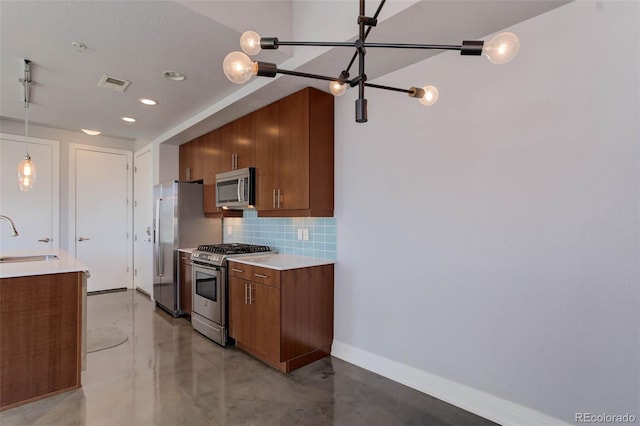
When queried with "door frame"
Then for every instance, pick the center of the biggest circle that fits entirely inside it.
(73, 147)
(55, 179)
(136, 231)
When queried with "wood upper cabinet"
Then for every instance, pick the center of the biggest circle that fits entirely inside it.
(284, 317)
(267, 156)
(238, 144)
(191, 160)
(294, 156)
(213, 153)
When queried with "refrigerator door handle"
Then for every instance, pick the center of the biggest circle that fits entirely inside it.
(157, 240)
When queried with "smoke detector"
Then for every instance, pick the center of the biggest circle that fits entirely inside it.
(112, 83)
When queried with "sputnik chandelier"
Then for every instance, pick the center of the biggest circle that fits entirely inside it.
(239, 68)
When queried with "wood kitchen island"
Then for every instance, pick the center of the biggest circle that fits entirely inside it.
(42, 327)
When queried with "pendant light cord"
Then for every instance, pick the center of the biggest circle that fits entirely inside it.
(26, 82)
(26, 127)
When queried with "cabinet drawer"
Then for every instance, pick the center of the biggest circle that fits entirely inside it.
(256, 274)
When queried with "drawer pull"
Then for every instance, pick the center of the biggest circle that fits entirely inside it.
(237, 270)
(261, 276)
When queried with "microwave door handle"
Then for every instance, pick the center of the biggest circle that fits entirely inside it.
(240, 190)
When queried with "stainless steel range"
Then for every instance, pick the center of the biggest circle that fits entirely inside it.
(210, 310)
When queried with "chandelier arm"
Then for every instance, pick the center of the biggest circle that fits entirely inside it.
(414, 46)
(314, 76)
(317, 43)
(393, 89)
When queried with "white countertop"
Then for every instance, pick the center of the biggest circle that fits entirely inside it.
(64, 263)
(281, 261)
(187, 250)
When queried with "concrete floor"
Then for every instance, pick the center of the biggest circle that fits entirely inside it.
(167, 374)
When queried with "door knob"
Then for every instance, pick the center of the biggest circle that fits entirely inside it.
(148, 230)
(83, 239)
(45, 240)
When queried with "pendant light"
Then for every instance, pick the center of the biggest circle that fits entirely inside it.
(239, 67)
(26, 169)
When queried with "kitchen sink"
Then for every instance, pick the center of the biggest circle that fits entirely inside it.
(32, 258)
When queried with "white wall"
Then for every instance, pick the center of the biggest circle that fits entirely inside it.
(65, 137)
(492, 240)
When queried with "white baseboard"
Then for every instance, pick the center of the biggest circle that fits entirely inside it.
(491, 407)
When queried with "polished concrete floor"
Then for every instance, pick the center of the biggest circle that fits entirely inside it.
(167, 374)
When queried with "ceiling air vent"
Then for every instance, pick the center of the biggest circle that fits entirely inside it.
(112, 83)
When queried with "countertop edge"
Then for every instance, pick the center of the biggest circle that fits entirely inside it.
(282, 262)
(64, 264)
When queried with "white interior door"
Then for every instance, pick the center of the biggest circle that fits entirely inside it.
(101, 183)
(36, 212)
(143, 221)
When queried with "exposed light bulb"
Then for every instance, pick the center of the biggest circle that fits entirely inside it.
(502, 48)
(337, 88)
(430, 96)
(238, 67)
(250, 42)
(26, 174)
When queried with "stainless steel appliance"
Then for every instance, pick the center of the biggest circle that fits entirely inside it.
(236, 189)
(179, 222)
(210, 310)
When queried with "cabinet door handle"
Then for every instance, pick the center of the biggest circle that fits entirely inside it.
(250, 294)
(261, 275)
(245, 294)
(274, 198)
(237, 270)
(45, 240)
(279, 198)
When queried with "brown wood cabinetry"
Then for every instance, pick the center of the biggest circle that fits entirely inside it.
(186, 286)
(213, 158)
(294, 155)
(238, 144)
(290, 142)
(40, 336)
(191, 160)
(284, 317)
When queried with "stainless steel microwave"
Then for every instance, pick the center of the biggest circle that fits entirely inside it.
(236, 189)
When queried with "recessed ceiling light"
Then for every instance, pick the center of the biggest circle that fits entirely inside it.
(91, 132)
(148, 101)
(129, 119)
(174, 75)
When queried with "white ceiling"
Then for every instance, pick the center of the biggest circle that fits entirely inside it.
(138, 40)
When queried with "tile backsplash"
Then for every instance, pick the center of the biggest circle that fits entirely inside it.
(282, 233)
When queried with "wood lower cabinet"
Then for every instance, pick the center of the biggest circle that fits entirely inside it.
(255, 318)
(186, 286)
(283, 317)
(40, 336)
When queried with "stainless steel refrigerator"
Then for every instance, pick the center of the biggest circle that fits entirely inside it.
(179, 222)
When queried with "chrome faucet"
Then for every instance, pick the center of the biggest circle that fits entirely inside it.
(14, 231)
